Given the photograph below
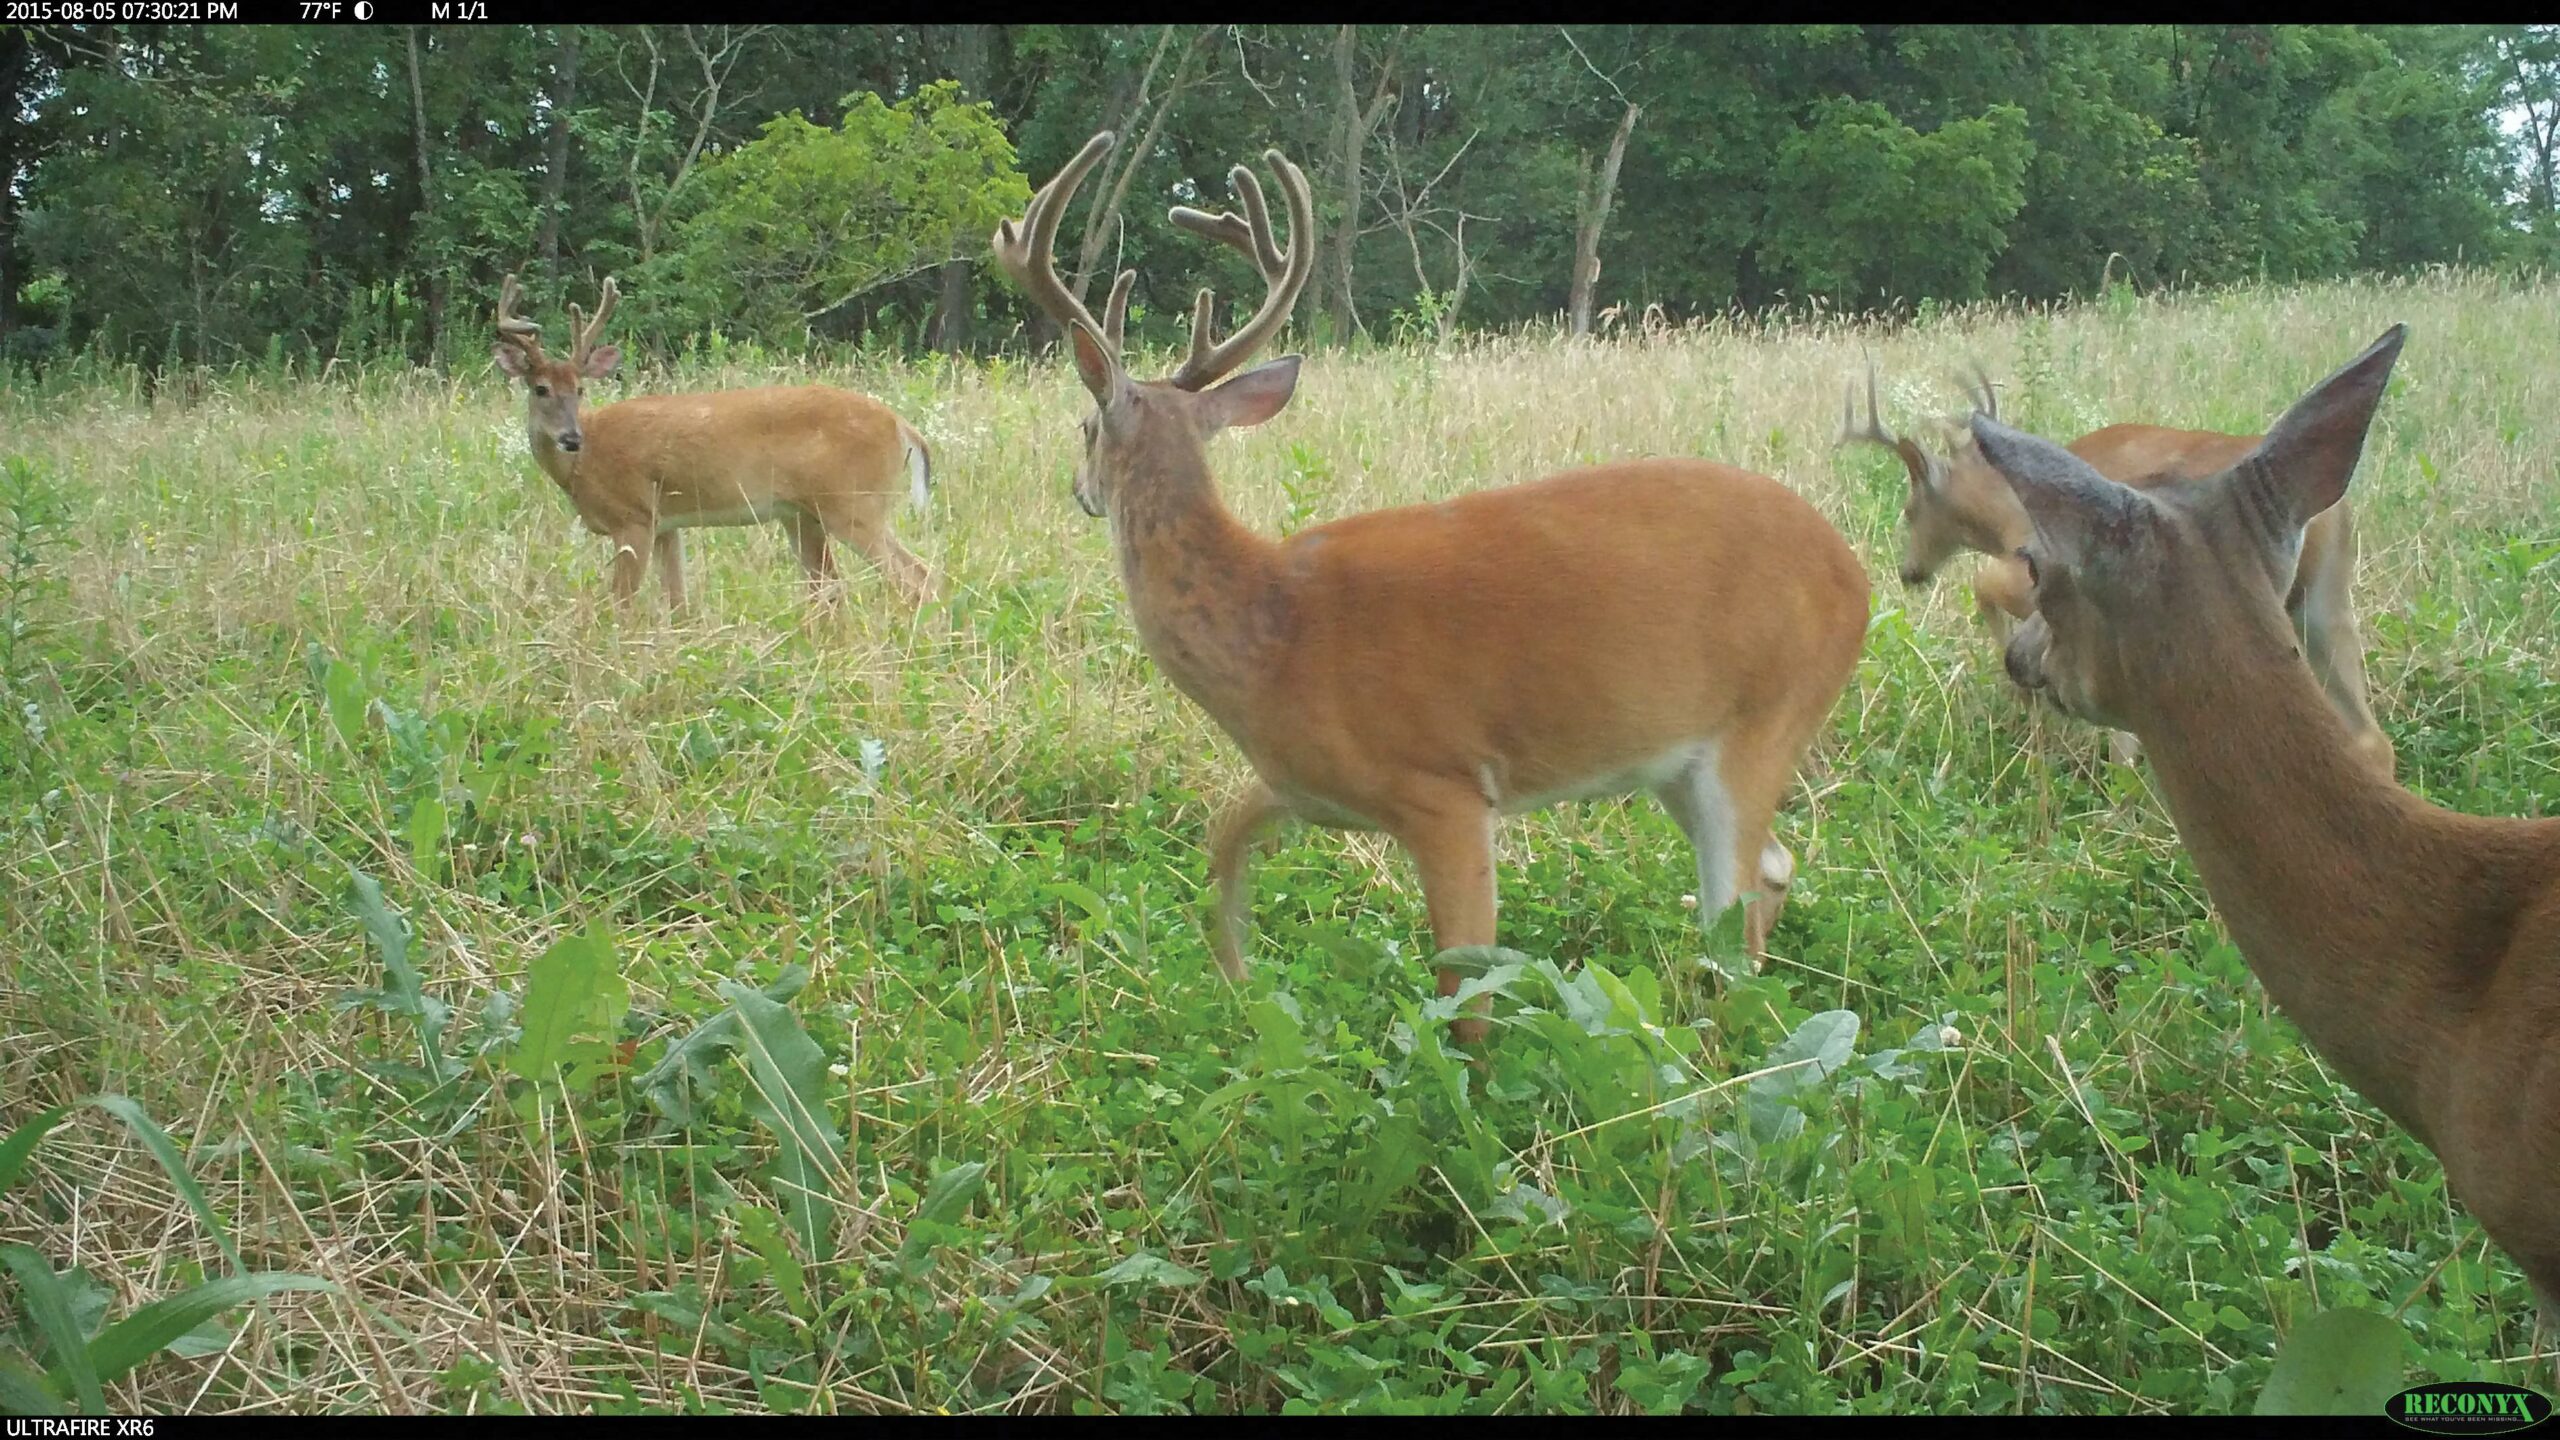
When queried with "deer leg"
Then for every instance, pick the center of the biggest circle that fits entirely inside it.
(671, 569)
(809, 541)
(631, 549)
(912, 576)
(862, 527)
(2122, 747)
(1452, 847)
(1231, 839)
(1701, 807)
(1756, 776)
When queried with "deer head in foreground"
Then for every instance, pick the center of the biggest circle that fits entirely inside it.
(554, 389)
(1957, 501)
(825, 463)
(1670, 625)
(2418, 949)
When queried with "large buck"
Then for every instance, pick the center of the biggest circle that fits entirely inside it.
(824, 462)
(1957, 502)
(1666, 625)
(2417, 948)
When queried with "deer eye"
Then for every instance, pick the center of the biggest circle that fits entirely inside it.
(541, 389)
(2035, 575)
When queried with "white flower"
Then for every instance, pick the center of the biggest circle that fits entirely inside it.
(1688, 902)
(1950, 1037)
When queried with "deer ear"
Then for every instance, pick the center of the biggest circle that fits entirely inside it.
(2078, 513)
(1095, 364)
(2310, 453)
(600, 361)
(509, 358)
(1254, 396)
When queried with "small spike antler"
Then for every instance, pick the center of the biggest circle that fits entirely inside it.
(1922, 466)
(1284, 272)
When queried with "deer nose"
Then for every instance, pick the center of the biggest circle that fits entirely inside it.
(1912, 576)
(570, 442)
(2019, 670)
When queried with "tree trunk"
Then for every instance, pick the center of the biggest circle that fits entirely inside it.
(1596, 200)
(1346, 169)
(555, 163)
(1350, 139)
(969, 47)
(426, 195)
(1104, 218)
(17, 58)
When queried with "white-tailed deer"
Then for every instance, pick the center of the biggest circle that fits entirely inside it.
(1666, 625)
(1956, 502)
(822, 462)
(2417, 948)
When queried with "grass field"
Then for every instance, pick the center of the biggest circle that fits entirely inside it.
(1014, 1144)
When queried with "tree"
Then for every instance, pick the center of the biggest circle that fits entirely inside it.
(792, 227)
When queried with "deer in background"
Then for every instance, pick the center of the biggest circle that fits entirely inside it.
(1668, 625)
(1958, 502)
(824, 462)
(2418, 949)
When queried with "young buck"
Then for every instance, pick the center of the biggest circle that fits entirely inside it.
(1957, 502)
(2418, 949)
(822, 461)
(1668, 625)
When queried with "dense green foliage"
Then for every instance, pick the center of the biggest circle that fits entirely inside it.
(210, 194)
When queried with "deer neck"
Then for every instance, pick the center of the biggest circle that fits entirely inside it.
(2333, 882)
(1206, 592)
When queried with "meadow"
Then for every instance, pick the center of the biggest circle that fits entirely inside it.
(738, 1013)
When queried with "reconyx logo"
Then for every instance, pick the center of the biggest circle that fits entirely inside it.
(2468, 1407)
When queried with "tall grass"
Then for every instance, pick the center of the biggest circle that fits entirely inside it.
(2069, 1161)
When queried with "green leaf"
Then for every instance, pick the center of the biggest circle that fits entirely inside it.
(40, 1290)
(1476, 959)
(162, 1323)
(762, 1230)
(686, 1069)
(22, 1387)
(343, 687)
(426, 836)
(944, 1199)
(22, 1143)
(407, 992)
(157, 1141)
(789, 1073)
(1823, 1043)
(2338, 1362)
(1726, 954)
(570, 987)
(1152, 1270)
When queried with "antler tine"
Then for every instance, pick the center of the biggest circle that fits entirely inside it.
(1872, 431)
(511, 326)
(1250, 234)
(1978, 389)
(1285, 272)
(588, 331)
(1025, 249)
(1115, 311)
